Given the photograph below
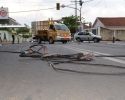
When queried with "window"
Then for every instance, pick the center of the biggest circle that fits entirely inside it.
(87, 34)
(61, 27)
(58, 27)
(81, 33)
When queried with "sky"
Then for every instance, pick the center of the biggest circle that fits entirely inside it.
(27, 11)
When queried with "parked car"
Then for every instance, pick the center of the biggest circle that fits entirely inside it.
(87, 36)
(32, 40)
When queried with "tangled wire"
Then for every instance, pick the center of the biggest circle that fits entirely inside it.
(36, 51)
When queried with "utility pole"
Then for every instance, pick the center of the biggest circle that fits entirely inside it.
(75, 13)
(80, 13)
(80, 3)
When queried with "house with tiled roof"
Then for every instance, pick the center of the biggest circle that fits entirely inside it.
(113, 23)
(109, 27)
(86, 26)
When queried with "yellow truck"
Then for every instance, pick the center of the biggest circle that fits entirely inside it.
(52, 31)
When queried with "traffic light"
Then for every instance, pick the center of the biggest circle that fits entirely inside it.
(57, 6)
(80, 2)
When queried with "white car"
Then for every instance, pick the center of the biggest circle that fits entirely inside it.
(87, 36)
(32, 40)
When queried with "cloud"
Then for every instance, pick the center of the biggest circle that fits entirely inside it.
(90, 10)
(111, 8)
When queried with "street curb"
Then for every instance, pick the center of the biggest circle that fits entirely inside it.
(117, 43)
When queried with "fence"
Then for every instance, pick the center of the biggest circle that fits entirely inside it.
(108, 34)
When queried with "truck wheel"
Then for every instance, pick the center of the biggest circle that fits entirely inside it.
(51, 41)
(39, 40)
(64, 42)
(95, 40)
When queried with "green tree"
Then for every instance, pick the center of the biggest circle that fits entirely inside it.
(5, 29)
(24, 31)
(70, 21)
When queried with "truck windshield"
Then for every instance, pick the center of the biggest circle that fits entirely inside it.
(61, 27)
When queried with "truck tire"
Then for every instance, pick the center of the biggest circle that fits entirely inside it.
(39, 40)
(64, 42)
(51, 41)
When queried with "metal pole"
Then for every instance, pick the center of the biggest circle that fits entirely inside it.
(80, 13)
(114, 35)
(76, 13)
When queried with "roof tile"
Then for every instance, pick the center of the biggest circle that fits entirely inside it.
(112, 21)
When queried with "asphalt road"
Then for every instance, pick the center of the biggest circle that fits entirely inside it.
(34, 79)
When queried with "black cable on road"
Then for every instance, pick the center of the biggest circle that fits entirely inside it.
(110, 56)
(11, 51)
(82, 63)
(84, 72)
(53, 62)
(62, 56)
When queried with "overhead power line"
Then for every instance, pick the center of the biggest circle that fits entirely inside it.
(38, 13)
(92, 7)
(37, 9)
(22, 13)
(53, 8)
(28, 2)
(32, 10)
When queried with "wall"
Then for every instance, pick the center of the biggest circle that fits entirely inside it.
(120, 35)
(108, 34)
(6, 37)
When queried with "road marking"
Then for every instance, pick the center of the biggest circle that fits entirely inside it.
(115, 60)
(95, 53)
(76, 49)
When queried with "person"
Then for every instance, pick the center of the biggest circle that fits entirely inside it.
(0, 40)
(18, 38)
(13, 35)
(88, 37)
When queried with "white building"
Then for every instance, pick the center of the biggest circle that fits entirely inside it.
(7, 36)
(7, 22)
